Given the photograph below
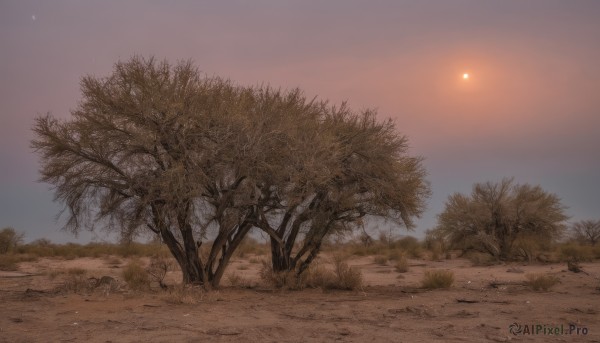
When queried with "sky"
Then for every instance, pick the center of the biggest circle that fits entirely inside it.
(530, 108)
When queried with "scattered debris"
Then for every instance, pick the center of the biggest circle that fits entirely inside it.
(467, 301)
(515, 270)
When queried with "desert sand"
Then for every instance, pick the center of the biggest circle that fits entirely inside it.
(481, 306)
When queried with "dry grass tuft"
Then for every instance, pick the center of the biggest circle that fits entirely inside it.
(10, 261)
(342, 277)
(401, 265)
(573, 251)
(185, 295)
(539, 282)
(380, 260)
(136, 276)
(76, 271)
(434, 279)
(158, 269)
(348, 278)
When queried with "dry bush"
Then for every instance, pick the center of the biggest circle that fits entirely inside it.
(574, 251)
(317, 276)
(52, 274)
(70, 251)
(158, 269)
(480, 259)
(395, 254)
(527, 248)
(380, 260)
(283, 280)
(9, 240)
(112, 260)
(10, 262)
(401, 265)
(185, 294)
(136, 276)
(434, 279)
(250, 246)
(539, 282)
(235, 280)
(348, 278)
(596, 251)
(410, 246)
(341, 277)
(76, 271)
(254, 260)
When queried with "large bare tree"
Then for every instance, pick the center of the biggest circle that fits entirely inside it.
(496, 214)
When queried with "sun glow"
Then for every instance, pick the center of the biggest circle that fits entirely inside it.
(465, 76)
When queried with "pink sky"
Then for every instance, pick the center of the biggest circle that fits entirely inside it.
(530, 109)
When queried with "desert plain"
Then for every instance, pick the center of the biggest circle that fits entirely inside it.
(483, 304)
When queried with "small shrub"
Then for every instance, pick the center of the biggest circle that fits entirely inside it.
(539, 282)
(573, 251)
(54, 273)
(234, 280)
(347, 277)
(8, 263)
(596, 251)
(479, 259)
(113, 261)
(136, 276)
(185, 294)
(250, 246)
(158, 269)
(380, 260)
(76, 271)
(9, 240)
(254, 260)
(284, 280)
(410, 245)
(316, 276)
(434, 279)
(402, 265)
(395, 255)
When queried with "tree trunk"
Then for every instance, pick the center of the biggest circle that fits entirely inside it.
(193, 272)
(187, 258)
(280, 257)
(227, 253)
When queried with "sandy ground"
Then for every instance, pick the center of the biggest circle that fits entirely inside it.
(390, 308)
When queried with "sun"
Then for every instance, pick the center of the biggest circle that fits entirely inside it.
(465, 76)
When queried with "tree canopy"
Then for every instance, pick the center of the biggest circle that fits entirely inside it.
(496, 214)
(160, 148)
(586, 231)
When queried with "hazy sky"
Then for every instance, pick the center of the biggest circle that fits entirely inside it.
(531, 108)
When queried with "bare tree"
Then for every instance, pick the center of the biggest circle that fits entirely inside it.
(158, 147)
(496, 214)
(365, 171)
(9, 239)
(586, 231)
